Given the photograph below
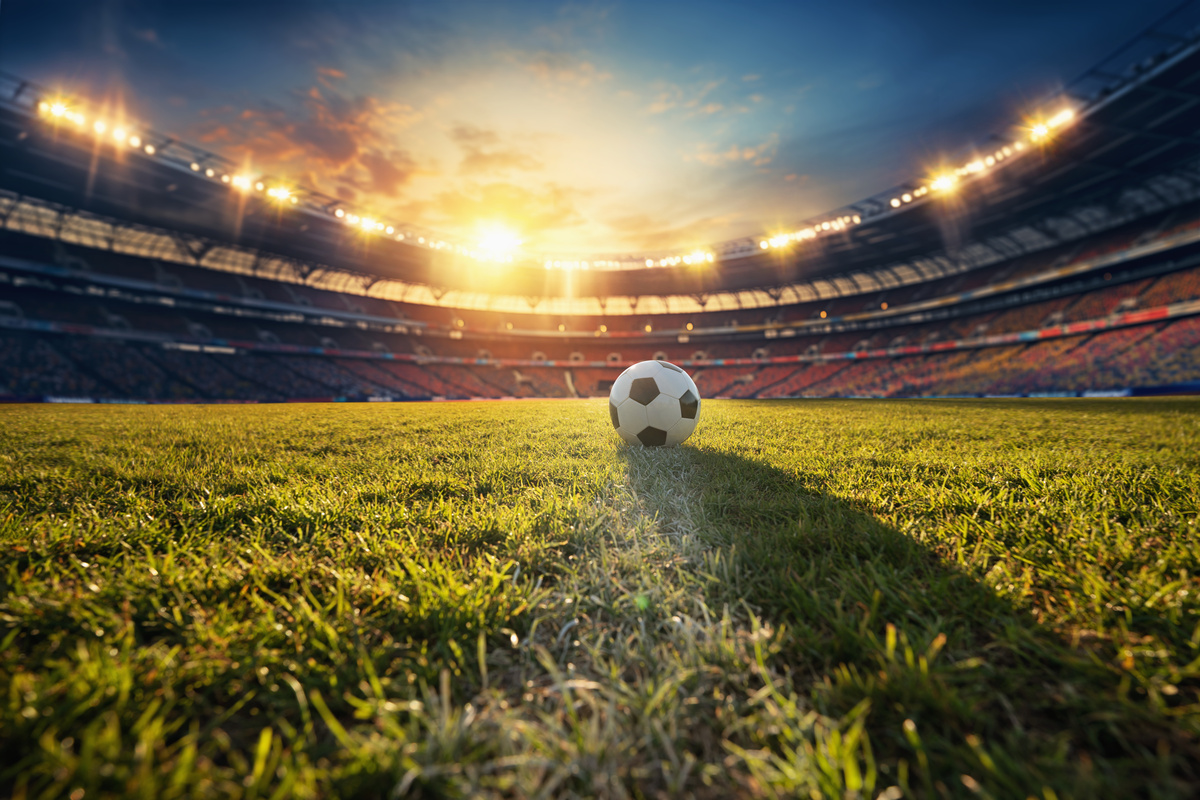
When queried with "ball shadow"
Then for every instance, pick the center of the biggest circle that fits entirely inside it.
(871, 614)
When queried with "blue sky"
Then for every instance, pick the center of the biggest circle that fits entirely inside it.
(588, 127)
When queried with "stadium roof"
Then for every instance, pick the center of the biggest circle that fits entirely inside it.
(1119, 142)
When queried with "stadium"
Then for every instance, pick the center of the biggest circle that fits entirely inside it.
(984, 585)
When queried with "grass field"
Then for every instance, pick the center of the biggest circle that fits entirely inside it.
(824, 598)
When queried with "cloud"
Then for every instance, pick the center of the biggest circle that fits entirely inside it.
(387, 173)
(648, 232)
(562, 68)
(333, 141)
(664, 102)
(759, 155)
(550, 207)
(691, 98)
(148, 35)
(701, 93)
(326, 76)
(484, 155)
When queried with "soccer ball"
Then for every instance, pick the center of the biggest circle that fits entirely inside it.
(654, 403)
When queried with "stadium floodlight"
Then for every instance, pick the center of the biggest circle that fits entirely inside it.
(1061, 118)
(150, 149)
(943, 183)
(58, 109)
(339, 213)
(120, 135)
(1039, 131)
(135, 141)
(895, 202)
(100, 126)
(240, 182)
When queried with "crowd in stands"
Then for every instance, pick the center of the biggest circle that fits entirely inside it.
(31, 367)
(1172, 288)
(56, 365)
(124, 368)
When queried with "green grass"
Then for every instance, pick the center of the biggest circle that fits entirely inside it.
(823, 598)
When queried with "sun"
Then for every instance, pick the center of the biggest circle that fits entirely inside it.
(498, 240)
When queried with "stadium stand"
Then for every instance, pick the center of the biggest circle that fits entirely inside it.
(132, 345)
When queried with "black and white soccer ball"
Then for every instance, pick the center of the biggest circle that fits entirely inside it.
(654, 403)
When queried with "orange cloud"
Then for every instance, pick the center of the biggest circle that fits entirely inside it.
(529, 210)
(484, 155)
(646, 232)
(336, 143)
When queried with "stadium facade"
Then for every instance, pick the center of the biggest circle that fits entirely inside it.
(1061, 259)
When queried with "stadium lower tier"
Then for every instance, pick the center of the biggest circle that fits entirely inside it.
(37, 366)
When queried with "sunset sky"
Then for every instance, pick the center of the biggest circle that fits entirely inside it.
(585, 127)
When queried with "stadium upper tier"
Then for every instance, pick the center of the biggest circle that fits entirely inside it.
(1096, 158)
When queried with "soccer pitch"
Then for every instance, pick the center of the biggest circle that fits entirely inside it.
(821, 598)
